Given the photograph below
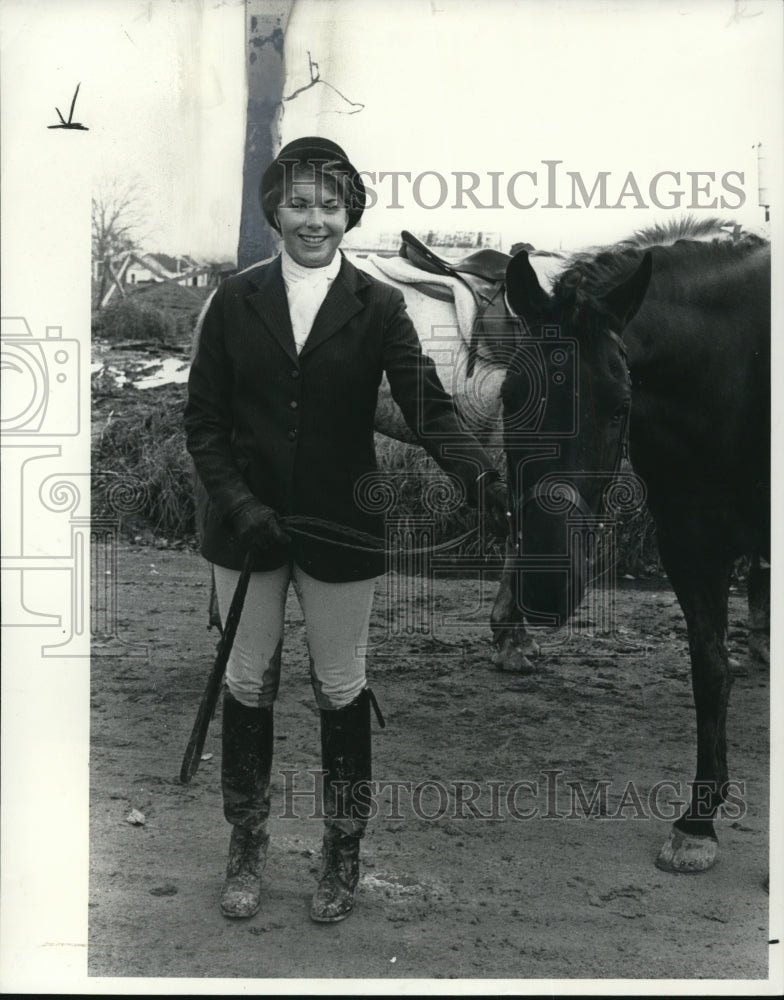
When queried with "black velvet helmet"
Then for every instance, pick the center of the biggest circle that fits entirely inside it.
(322, 153)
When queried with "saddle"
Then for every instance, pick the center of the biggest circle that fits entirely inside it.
(484, 274)
(489, 265)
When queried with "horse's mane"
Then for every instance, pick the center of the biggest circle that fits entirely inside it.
(688, 227)
(590, 273)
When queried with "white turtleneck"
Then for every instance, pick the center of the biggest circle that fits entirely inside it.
(306, 289)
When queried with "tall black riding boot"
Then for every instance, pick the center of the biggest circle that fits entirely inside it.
(245, 774)
(345, 756)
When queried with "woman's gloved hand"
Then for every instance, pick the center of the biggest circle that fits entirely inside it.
(257, 526)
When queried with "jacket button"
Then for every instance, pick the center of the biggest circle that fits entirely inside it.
(295, 373)
(294, 404)
(292, 435)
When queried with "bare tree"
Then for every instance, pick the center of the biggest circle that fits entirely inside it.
(118, 218)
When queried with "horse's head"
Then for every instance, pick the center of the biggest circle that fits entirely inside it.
(566, 400)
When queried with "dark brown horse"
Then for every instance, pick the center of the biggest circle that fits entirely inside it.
(684, 365)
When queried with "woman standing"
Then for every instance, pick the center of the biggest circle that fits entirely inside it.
(279, 421)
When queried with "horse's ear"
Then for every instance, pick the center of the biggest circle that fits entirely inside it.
(525, 294)
(625, 299)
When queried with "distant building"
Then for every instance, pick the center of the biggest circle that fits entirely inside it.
(134, 268)
(161, 267)
(447, 244)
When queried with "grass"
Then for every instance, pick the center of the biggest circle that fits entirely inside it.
(138, 451)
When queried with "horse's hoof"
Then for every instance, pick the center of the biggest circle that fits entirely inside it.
(513, 660)
(686, 854)
(513, 663)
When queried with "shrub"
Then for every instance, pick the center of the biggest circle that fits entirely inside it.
(414, 472)
(127, 319)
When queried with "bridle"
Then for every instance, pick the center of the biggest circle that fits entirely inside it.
(557, 486)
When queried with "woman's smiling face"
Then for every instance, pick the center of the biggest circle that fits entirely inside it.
(312, 218)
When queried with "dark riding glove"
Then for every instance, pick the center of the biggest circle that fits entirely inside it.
(257, 526)
(495, 504)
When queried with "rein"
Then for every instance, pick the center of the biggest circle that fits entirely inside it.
(344, 536)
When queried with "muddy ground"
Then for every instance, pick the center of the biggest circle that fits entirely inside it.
(443, 895)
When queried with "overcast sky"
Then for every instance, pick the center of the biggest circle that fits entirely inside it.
(494, 88)
(446, 85)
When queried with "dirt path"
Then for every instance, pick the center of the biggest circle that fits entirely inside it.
(446, 896)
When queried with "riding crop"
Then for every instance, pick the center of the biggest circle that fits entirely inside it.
(352, 538)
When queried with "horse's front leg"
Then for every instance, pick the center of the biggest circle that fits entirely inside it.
(702, 586)
(514, 646)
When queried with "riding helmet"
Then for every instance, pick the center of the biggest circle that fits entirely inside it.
(317, 150)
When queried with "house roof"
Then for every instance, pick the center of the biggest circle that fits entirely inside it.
(157, 264)
(165, 265)
(152, 263)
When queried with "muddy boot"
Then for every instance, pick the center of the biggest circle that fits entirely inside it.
(345, 755)
(241, 895)
(334, 898)
(245, 773)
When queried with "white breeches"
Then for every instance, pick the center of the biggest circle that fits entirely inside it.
(337, 619)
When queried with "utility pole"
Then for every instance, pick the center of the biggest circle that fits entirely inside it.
(763, 199)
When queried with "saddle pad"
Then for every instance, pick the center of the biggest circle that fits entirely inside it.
(399, 270)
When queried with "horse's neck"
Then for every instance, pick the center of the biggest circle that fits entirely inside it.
(712, 301)
(699, 355)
